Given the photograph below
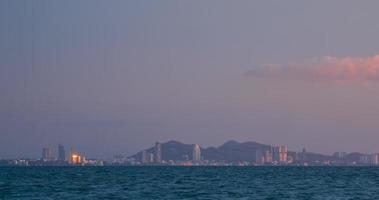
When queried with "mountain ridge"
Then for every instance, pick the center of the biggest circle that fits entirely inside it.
(235, 151)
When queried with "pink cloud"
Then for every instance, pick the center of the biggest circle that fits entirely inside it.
(326, 68)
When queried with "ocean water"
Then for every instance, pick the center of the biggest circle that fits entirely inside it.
(189, 183)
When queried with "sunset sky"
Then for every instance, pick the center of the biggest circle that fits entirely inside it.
(109, 77)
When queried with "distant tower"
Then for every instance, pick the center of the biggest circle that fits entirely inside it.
(283, 154)
(144, 157)
(304, 155)
(279, 154)
(76, 158)
(275, 154)
(196, 153)
(46, 154)
(259, 157)
(158, 153)
(150, 157)
(61, 153)
(268, 156)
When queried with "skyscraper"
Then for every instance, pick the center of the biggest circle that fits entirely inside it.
(150, 157)
(61, 153)
(158, 153)
(46, 154)
(275, 154)
(279, 154)
(283, 154)
(196, 153)
(268, 156)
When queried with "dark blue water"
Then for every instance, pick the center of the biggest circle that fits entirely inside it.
(189, 183)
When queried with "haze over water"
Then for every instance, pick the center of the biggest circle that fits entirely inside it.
(109, 77)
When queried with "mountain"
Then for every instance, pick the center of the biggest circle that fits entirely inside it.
(353, 157)
(171, 150)
(311, 157)
(231, 151)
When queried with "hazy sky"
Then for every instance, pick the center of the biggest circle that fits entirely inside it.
(107, 77)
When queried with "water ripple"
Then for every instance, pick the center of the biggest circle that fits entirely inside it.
(189, 183)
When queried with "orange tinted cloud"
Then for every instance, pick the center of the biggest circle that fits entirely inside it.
(326, 68)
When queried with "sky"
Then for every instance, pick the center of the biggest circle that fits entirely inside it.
(111, 77)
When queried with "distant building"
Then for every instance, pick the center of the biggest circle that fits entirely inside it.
(365, 159)
(76, 159)
(275, 154)
(303, 155)
(61, 153)
(279, 154)
(290, 159)
(259, 157)
(196, 153)
(150, 157)
(268, 157)
(375, 159)
(339, 155)
(283, 152)
(46, 154)
(144, 158)
(372, 159)
(158, 153)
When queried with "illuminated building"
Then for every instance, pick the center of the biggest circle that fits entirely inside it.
(283, 154)
(279, 154)
(196, 153)
(76, 159)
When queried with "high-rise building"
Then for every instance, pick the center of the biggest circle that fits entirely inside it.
(275, 154)
(283, 152)
(375, 159)
(268, 157)
(150, 157)
(46, 154)
(259, 157)
(76, 159)
(279, 154)
(196, 153)
(158, 153)
(304, 155)
(144, 158)
(61, 153)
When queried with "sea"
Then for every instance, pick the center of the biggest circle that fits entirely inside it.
(160, 182)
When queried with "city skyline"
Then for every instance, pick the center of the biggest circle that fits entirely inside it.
(174, 153)
(276, 152)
